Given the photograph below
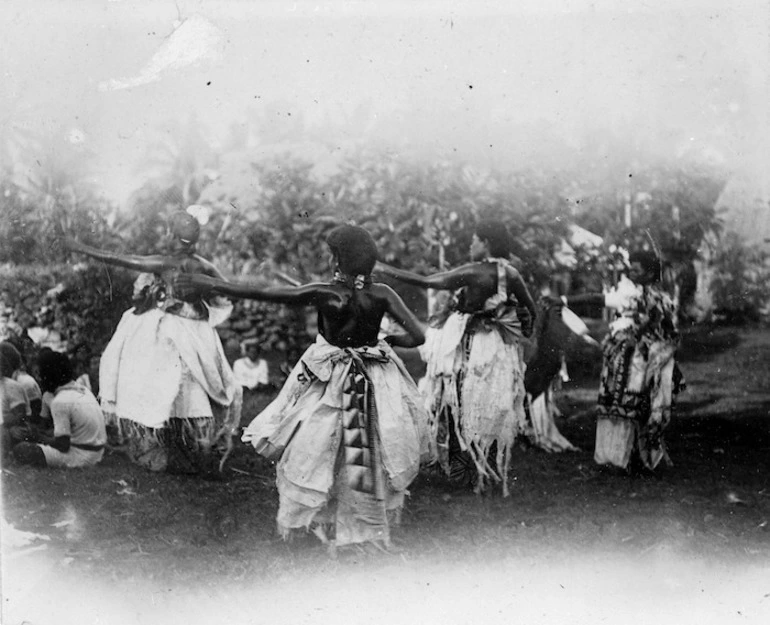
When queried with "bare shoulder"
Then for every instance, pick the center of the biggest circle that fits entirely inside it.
(201, 259)
(512, 272)
(473, 268)
(380, 289)
(323, 290)
(203, 262)
(321, 287)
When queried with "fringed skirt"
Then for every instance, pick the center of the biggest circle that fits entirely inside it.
(475, 386)
(349, 434)
(188, 446)
(542, 413)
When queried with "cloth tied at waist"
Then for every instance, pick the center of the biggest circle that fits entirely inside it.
(503, 319)
(323, 360)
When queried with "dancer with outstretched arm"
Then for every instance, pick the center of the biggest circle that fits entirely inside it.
(166, 388)
(475, 360)
(348, 428)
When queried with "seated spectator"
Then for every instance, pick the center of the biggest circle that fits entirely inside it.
(93, 374)
(251, 371)
(79, 433)
(15, 410)
(81, 364)
(28, 383)
(291, 358)
(233, 350)
(46, 419)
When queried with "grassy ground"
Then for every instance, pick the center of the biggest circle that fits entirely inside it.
(152, 547)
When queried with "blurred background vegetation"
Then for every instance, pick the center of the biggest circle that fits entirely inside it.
(271, 207)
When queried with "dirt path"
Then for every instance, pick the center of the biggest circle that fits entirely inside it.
(571, 545)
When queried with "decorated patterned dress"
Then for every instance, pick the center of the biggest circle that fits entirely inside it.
(639, 377)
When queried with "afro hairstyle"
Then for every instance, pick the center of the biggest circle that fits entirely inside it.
(354, 248)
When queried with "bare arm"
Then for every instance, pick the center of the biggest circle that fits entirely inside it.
(405, 318)
(446, 280)
(149, 264)
(209, 268)
(594, 299)
(15, 415)
(521, 291)
(35, 405)
(306, 294)
(62, 443)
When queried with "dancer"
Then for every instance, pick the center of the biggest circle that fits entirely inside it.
(166, 388)
(475, 366)
(639, 376)
(348, 428)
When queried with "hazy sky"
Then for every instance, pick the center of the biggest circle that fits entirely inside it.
(488, 81)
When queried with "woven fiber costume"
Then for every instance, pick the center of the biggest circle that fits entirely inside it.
(475, 387)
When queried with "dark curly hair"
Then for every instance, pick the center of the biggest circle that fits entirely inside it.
(354, 248)
(55, 370)
(648, 260)
(10, 359)
(495, 234)
(184, 227)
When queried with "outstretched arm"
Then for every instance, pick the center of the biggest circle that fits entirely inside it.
(446, 280)
(593, 299)
(149, 264)
(306, 294)
(406, 319)
(521, 291)
(209, 268)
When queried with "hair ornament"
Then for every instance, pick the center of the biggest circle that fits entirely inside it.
(353, 282)
(199, 212)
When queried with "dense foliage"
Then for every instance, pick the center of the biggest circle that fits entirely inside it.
(741, 280)
(665, 209)
(270, 210)
(80, 303)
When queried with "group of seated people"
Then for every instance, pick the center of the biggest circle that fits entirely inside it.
(54, 420)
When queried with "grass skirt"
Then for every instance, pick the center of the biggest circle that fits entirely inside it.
(475, 386)
(192, 446)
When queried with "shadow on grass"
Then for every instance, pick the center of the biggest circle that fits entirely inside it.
(704, 341)
(748, 429)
